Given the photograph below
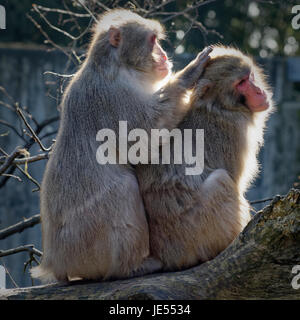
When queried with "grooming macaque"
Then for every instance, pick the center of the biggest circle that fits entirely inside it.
(93, 219)
(192, 218)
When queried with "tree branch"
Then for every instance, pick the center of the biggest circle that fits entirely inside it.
(28, 248)
(20, 226)
(35, 158)
(9, 160)
(257, 265)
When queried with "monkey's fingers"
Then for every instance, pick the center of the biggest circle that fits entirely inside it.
(194, 70)
(204, 54)
(202, 61)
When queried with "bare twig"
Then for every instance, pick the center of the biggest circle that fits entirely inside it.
(261, 201)
(81, 3)
(9, 160)
(20, 226)
(39, 127)
(65, 33)
(11, 176)
(55, 45)
(25, 160)
(25, 172)
(29, 177)
(35, 137)
(59, 75)
(103, 6)
(158, 7)
(173, 15)
(66, 12)
(29, 248)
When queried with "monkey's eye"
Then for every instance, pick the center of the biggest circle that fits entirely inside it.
(243, 81)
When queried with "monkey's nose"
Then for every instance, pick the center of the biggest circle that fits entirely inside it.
(163, 58)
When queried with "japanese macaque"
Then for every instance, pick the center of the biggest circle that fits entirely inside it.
(94, 224)
(192, 218)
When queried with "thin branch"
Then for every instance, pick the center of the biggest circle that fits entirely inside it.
(28, 248)
(103, 6)
(65, 33)
(25, 172)
(28, 176)
(70, 13)
(25, 160)
(59, 75)
(156, 8)
(35, 137)
(261, 201)
(39, 27)
(180, 13)
(81, 3)
(202, 27)
(11, 176)
(27, 145)
(20, 226)
(9, 160)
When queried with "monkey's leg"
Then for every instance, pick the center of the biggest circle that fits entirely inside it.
(224, 213)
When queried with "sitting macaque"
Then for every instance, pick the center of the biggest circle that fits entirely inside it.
(192, 218)
(94, 224)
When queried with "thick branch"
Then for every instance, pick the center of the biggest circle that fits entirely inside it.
(257, 265)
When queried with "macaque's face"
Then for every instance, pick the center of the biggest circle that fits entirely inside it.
(254, 96)
(140, 49)
(161, 64)
(234, 82)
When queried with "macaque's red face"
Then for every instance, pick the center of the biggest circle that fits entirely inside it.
(161, 66)
(255, 97)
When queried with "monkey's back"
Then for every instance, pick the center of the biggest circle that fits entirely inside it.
(193, 218)
(90, 213)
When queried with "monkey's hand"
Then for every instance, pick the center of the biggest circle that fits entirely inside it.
(189, 76)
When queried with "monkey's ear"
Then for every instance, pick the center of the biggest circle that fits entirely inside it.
(114, 36)
(202, 87)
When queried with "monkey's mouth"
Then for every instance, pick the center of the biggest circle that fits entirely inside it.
(163, 71)
(164, 68)
(166, 65)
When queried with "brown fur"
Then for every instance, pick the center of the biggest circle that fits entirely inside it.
(193, 218)
(93, 218)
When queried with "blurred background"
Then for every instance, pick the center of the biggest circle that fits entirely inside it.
(44, 42)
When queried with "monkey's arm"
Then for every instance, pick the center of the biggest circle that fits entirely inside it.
(166, 108)
(173, 94)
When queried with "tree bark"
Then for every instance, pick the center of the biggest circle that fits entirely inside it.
(257, 265)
